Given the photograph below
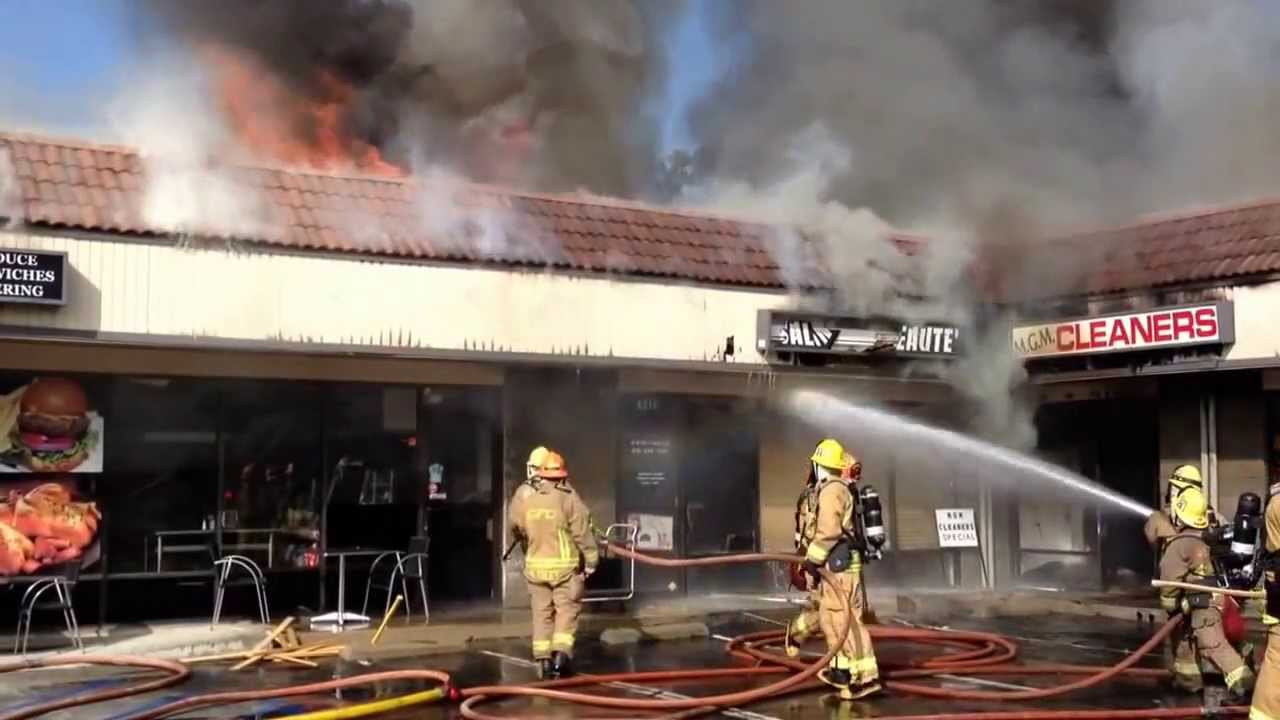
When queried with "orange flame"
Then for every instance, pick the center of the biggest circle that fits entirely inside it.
(282, 125)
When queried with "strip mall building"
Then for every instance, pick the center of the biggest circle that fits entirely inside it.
(227, 377)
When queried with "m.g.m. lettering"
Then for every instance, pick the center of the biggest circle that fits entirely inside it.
(1169, 327)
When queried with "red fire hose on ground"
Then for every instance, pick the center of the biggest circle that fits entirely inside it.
(969, 654)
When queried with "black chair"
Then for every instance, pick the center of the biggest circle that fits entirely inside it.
(62, 585)
(222, 580)
(410, 566)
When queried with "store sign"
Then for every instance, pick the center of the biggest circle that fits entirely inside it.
(849, 336)
(1205, 324)
(33, 276)
(956, 528)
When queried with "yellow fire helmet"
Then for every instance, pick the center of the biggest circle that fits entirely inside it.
(1191, 508)
(536, 458)
(1185, 476)
(830, 455)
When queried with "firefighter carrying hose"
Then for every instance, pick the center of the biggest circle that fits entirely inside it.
(829, 530)
(1186, 558)
(560, 553)
(1266, 696)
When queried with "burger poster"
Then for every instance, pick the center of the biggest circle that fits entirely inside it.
(50, 425)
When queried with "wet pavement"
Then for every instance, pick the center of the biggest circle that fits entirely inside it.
(1048, 639)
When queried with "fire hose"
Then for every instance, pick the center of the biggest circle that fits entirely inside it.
(982, 654)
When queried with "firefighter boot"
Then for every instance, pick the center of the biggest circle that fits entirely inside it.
(864, 690)
(837, 678)
(546, 671)
(562, 665)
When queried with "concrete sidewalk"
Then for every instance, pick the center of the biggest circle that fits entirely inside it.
(161, 639)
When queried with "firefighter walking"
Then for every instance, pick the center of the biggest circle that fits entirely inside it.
(1266, 696)
(829, 531)
(554, 525)
(1186, 558)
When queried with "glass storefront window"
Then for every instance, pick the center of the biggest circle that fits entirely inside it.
(273, 479)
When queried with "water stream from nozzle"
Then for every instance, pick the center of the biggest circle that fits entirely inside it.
(883, 425)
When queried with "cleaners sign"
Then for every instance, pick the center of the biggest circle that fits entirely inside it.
(956, 528)
(1205, 324)
(33, 276)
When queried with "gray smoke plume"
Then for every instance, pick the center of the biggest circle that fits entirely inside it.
(988, 125)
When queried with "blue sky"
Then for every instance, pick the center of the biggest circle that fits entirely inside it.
(697, 60)
(60, 60)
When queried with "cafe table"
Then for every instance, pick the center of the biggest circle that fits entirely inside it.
(340, 618)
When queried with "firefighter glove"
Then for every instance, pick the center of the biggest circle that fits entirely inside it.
(812, 569)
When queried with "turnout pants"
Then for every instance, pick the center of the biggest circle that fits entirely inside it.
(1203, 640)
(555, 615)
(806, 623)
(855, 653)
(1266, 694)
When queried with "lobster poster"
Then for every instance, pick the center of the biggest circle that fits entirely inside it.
(44, 525)
(49, 425)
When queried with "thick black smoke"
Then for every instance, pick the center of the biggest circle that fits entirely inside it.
(1004, 117)
(438, 81)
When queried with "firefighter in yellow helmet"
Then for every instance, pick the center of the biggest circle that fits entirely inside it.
(1159, 525)
(827, 529)
(560, 553)
(1266, 696)
(1186, 558)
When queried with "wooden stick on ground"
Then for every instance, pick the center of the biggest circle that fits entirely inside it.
(386, 619)
(286, 657)
(262, 649)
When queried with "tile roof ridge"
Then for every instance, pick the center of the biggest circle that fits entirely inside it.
(64, 141)
(1162, 217)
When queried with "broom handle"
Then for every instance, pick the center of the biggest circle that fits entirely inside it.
(1248, 594)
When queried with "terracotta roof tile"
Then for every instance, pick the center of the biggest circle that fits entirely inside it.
(100, 188)
(1208, 246)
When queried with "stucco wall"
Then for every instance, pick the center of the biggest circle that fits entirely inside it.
(1256, 309)
(119, 286)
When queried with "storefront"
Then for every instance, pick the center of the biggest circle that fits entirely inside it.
(309, 387)
(163, 473)
(1123, 398)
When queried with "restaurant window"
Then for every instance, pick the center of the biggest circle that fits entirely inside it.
(271, 434)
(460, 439)
(371, 432)
(161, 479)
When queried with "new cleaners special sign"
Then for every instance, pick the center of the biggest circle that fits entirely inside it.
(1204, 324)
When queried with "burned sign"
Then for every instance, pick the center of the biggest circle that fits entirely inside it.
(784, 333)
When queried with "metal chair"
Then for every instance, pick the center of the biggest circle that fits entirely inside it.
(627, 534)
(222, 580)
(408, 566)
(62, 585)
